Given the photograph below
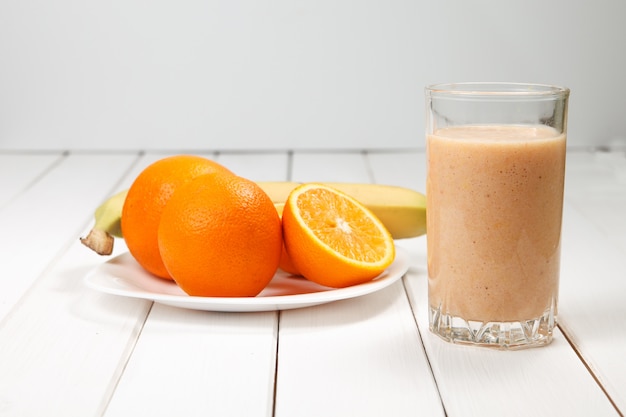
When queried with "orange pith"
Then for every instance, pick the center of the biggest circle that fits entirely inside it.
(147, 198)
(332, 239)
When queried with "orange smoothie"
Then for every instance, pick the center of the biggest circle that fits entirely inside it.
(495, 202)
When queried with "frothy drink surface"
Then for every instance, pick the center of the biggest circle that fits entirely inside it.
(495, 202)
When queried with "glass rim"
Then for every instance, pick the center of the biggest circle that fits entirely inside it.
(497, 89)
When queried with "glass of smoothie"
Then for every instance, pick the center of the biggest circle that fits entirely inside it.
(496, 168)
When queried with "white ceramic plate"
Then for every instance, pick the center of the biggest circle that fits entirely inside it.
(123, 276)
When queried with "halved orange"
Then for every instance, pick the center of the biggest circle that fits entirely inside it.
(332, 239)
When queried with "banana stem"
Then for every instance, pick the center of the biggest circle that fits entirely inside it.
(99, 241)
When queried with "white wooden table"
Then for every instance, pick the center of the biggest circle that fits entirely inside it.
(68, 350)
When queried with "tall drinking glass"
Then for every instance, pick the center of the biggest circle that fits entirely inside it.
(496, 168)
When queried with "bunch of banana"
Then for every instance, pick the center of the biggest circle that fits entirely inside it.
(402, 210)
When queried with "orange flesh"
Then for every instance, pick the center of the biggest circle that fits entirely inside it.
(339, 224)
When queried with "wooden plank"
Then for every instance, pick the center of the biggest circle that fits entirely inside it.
(264, 166)
(18, 171)
(48, 216)
(354, 357)
(62, 344)
(405, 169)
(473, 381)
(596, 187)
(592, 280)
(592, 307)
(326, 166)
(195, 363)
(360, 357)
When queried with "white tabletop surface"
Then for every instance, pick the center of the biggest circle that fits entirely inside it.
(69, 350)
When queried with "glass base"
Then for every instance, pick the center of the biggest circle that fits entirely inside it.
(499, 335)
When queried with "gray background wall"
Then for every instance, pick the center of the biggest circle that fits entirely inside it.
(263, 74)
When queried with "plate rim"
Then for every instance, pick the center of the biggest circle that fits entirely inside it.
(394, 272)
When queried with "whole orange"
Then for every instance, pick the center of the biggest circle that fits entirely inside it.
(220, 236)
(146, 199)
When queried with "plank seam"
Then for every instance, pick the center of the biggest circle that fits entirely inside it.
(117, 376)
(419, 334)
(368, 166)
(274, 394)
(589, 368)
(37, 178)
(289, 165)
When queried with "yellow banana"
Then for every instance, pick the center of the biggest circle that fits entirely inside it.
(107, 225)
(402, 210)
